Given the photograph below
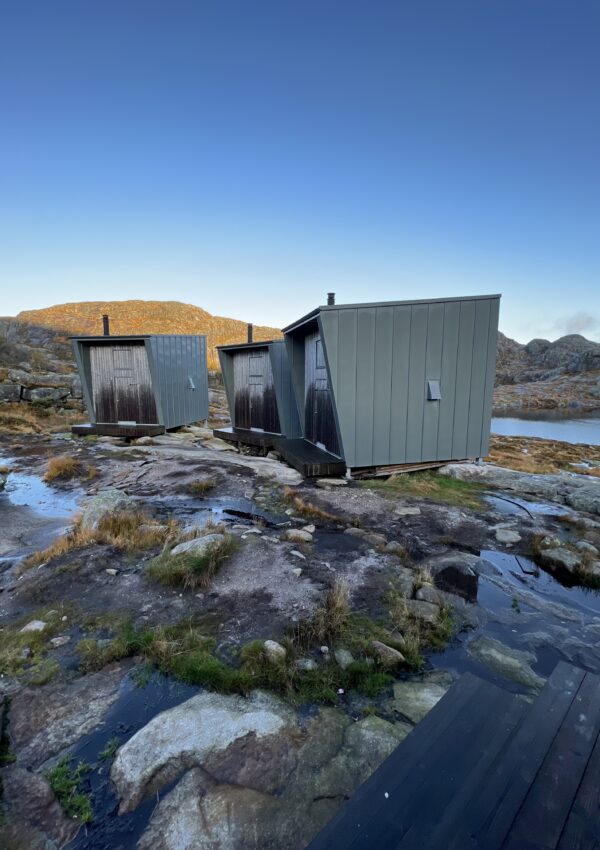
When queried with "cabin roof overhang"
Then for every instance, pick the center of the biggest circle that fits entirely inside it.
(111, 337)
(309, 317)
(242, 346)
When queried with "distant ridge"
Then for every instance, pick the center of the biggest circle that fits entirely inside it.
(140, 317)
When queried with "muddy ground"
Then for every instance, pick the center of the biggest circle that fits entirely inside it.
(471, 550)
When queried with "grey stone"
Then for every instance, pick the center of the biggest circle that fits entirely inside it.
(33, 817)
(106, 502)
(34, 626)
(507, 536)
(514, 664)
(297, 535)
(426, 611)
(458, 573)
(407, 510)
(395, 548)
(561, 558)
(310, 528)
(305, 664)
(324, 483)
(60, 640)
(427, 593)
(387, 655)
(187, 735)
(414, 699)
(343, 657)
(46, 393)
(45, 721)
(10, 392)
(274, 651)
(586, 547)
(198, 546)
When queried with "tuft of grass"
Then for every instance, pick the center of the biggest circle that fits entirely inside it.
(110, 749)
(329, 619)
(66, 780)
(429, 485)
(190, 570)
(203, 485)
(306, 508)
(127, 530)
(23, 418)
(63, 467)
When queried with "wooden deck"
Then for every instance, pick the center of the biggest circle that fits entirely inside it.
(261, 439)
(310, 460)
(486, 770)
(114, 429)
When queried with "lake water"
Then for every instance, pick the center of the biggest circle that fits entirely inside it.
(575, 430)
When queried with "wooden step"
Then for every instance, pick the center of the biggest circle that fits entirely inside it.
(309, 459)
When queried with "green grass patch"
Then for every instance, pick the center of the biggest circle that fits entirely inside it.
(110, 750)
(23, 653)
(430, 486)
(192, 570)
(66, 780)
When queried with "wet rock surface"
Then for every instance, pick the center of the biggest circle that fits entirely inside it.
(201, 769)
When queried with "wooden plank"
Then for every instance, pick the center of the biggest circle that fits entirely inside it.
(308, 459)
(546, 808)
(454, 781)
(387, 824)
(491, 810)
(582, 830)
(351, 819)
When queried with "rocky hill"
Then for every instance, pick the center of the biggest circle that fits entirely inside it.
(36, 362)
(142, 317)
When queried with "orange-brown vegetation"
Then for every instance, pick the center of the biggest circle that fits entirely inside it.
(143, 317)
(532, 454)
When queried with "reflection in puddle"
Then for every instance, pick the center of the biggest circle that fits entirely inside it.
(514, 506)
(30, 491)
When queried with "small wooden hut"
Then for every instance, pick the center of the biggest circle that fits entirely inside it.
(141, 385)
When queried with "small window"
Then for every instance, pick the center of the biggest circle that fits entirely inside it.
(434, 393)
(191, 384)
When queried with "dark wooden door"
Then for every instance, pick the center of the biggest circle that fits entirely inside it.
(254, 391)
(319, 421)
(121, 384)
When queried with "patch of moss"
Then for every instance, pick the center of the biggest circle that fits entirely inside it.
(22, 652)
(66, 780)
(109, 750)
(431, 486)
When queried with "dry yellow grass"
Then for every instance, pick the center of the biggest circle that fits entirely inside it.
(306, 508)
(126, 530)
(22, 418)
(533, 454)
(63, 467)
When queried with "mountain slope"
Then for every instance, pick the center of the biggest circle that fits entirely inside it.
(140, 317)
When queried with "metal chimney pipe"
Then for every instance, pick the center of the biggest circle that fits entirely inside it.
(250, 332)
(105, 325)
(330, 299)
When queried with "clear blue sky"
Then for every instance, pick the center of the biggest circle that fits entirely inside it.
(249, 156)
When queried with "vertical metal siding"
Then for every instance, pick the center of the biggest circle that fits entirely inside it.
(380, 359)
(286, 400)
(448, 380)
(433, 370)
(176, 358)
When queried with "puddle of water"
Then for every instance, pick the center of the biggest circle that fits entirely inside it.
(224, 509)
(520, 507)
(522, 573)
(134, 707)
(24, 490)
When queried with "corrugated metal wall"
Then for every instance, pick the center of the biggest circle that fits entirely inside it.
(380, 358)
(174, 362)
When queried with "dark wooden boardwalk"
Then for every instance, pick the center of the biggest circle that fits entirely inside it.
(486, 770)
(115, 429)
(248, 437)
(304, 456)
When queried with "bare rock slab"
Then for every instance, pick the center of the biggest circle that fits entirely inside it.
(414, 699)
(514, 664)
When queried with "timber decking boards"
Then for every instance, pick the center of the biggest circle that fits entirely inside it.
(111, 429)
(485, 770)
(309, 459)
(263, 439)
